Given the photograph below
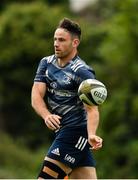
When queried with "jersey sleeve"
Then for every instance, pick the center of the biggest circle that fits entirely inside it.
(84, 73)
(41, 71)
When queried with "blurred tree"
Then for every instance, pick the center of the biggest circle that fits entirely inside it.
(4, 3)
(18, 162)
(53, 2)
(120, 72)
(26, 35)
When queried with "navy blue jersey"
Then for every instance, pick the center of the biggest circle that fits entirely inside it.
(62, 88)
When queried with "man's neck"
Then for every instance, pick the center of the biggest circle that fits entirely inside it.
(63, 61)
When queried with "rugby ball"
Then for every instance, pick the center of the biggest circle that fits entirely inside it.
(92, 92)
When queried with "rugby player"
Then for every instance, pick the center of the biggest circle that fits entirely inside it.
(57, 79)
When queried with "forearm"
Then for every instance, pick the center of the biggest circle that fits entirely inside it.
(92, 119)
(92, 125)
(37, 100)
(38, 92)
(40, 107)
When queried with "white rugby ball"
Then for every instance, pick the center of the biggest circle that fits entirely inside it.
(92, 92)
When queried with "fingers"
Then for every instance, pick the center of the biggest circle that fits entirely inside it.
(95, 142)
(97, 146)
(53, 121)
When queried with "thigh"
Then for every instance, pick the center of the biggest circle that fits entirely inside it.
(53, 169)
(64, 167)
(83, 173)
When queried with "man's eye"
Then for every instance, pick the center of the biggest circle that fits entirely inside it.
(61, 39)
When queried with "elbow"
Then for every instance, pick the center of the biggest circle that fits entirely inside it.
(33, 98)
(33, 103)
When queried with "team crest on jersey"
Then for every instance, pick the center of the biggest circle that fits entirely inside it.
(66, 79)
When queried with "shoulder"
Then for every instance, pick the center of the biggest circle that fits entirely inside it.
(78, 64)
(82, 70)
(43, 64)
(47, 59)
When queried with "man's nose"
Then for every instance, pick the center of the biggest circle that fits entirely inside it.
(56, 43)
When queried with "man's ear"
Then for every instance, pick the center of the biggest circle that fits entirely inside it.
(76, 42)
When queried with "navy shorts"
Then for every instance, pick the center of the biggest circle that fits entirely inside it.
(71, 147)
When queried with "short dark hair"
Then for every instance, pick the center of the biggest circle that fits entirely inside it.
(70, 26)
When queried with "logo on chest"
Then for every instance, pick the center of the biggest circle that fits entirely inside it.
(66, 79)
(53, 85)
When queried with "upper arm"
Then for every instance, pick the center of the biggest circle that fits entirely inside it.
(38, 89)
(92, 111)
(93, 108)
(41, 71)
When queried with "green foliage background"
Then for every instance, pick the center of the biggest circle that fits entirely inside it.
(109, 44)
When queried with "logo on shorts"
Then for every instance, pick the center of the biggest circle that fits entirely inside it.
(55, 151)
(81, 143)
(69, 159)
